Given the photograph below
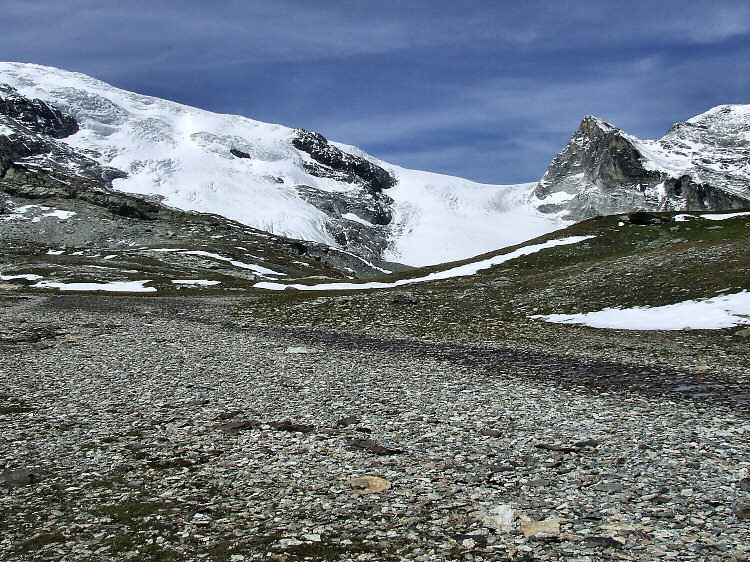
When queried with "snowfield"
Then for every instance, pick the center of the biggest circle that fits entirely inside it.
(719, 312)
(712, 217)
(183, 154)
(21, 213)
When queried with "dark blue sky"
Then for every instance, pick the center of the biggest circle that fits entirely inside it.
(485, 90)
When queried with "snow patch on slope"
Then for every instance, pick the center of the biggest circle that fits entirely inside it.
(112, 287)
(439, 219)
(709, 314)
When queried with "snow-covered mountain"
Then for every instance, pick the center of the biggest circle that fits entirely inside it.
(702, 163)
(285, 181)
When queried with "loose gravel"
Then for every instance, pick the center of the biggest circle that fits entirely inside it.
(153, 428)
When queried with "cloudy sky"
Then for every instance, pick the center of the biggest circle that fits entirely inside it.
(485, 90)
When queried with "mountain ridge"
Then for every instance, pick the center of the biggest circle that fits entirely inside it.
(298, 184)
(252, 172)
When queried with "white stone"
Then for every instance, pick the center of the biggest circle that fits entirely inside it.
(500, 517)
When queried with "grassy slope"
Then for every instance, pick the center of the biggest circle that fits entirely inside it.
(625, 265)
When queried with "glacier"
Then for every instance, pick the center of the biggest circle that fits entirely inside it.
(249, 171)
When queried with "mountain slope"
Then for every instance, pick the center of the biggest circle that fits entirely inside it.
(700, 164)
(621, 264)
(61, 230)
(284, 181)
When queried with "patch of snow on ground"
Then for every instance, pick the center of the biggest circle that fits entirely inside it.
(112, 287)
(355, 218)
(26, 276)
(20, 212)
(60, 214)
(712, 217)
(55, 252)
(259, 269)
(201, 282)
(558, 197)
(459, 271)
(166, 249)
(725, 216)
(719, 312)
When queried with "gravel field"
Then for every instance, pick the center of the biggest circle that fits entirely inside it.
(166, 429)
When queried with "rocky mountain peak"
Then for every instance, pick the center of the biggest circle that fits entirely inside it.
(592, 126)
(699, 164)
(599, 158)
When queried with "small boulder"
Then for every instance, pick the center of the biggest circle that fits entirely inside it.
(20, 477)
(373, 447)
(503, 467)
(299, 350)
(488, 432)
(289, 425)
(540, 530)
(346, 421)
(368, 485)
(500, 517)
(611, 487)
(404, 297)
(235, 427)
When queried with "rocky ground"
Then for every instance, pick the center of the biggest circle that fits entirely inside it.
(157, 428)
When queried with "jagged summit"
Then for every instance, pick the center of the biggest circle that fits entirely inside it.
(699, 164)
(285, 181)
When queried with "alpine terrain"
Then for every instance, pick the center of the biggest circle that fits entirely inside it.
(288, 182)
(222, 339)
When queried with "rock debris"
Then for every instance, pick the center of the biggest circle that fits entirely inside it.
(140, 432)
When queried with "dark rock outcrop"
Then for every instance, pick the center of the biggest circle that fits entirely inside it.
(374, 210)
(35, 128)
(337, 164)
(643, 218)
(37, 115)
(358, 218)
(32, 182)
(358, 222)
(50, 154)
(238, 153)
